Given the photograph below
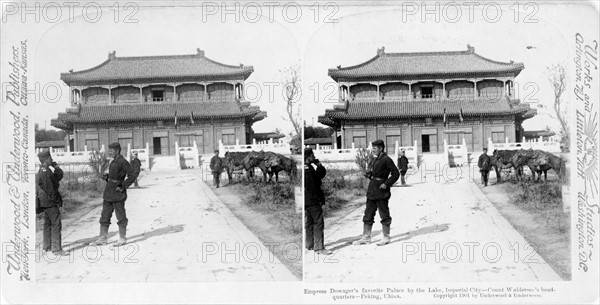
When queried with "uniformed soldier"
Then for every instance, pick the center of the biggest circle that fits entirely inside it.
(383, 173)
(484, 164)
(120, 176)
(49, 201)
(314, 199)
(216, 167)
(403, 166)
(137, 166)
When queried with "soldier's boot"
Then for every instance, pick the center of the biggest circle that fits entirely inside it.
(102, 239)
(122, 239)
(366, 237)
(386, 236)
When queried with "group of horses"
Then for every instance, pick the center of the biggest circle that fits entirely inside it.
(538, 161)
(270, 164)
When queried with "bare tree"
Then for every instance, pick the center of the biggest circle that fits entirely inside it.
(557, 76)
(291, 86)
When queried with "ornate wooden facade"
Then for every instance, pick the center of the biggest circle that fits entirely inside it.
(427, 97)
(159, 100)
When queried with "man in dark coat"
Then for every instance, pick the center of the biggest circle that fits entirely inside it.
(484, 163)
(120, 176)
(403, 166)
(136, 165)
(383, 173)
(49, 201)
(216, 167)
(314, 199)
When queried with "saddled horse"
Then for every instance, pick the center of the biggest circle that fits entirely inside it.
(539, 162)
(233, 161)
(275, 163)
(502, 159)
(270, 163)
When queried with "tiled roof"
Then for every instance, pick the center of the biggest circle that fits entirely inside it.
(408, 109)
(422, 64)
(174, 67)
(314, 141)
(157, 111)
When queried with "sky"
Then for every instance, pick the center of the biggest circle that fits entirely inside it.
(341, 35)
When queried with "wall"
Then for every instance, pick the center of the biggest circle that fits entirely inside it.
(143, 132)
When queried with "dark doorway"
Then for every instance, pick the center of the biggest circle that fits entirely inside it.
(425, 143)
(156, 145)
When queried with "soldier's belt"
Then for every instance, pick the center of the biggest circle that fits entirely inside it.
(379, 179)
(114, 180)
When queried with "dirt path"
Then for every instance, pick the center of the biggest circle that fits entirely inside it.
(179, 230)
(553, 246)
(287, 247)
(441, 231)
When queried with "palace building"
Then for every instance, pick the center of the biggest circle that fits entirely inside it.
(158, 100)
(427, 97)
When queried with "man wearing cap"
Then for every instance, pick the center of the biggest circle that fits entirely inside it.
(484, 163)
(383, 173)
(49, 201)
(314, 199)
(120, 176)
(137, 166)
(216, 167)
(403, 166)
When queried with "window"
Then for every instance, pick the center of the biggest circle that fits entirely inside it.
(158, 95)
(124, 142)
(92, 144)
(390, 143)
(498, 137)
(426, 91)
(359, 141)
(186, 140)
(228, 138)
(454, 139)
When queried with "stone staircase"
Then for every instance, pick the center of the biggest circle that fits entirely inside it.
(163, 163)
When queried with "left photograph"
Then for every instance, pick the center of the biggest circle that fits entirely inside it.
(156, 165)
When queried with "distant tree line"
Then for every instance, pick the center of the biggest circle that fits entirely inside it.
(48, 135)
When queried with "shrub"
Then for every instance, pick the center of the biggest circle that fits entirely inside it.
(363, 157)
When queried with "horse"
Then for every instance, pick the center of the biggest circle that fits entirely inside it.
(275, 163)
(539, 162)
(233, 161)
(503, 159)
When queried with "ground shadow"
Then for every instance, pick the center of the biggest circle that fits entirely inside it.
(84, 242)
(347, 241)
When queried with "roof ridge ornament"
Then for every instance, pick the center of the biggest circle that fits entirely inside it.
(381, 51)
(470, 49)
(112, 55)
(200, 52)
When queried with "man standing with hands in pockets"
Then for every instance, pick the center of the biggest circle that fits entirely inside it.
(383, 173)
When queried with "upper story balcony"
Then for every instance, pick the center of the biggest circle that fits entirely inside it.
(468, 89)
(157, 93)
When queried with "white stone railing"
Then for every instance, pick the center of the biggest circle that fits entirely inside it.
(143, 155)
(186, 156)
(281, 148)
(552, 145)
(328, 154)
(70, 157)
(457, 153)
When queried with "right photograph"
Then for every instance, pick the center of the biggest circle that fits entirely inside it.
(436, 153)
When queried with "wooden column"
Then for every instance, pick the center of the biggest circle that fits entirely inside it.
(141, 94)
